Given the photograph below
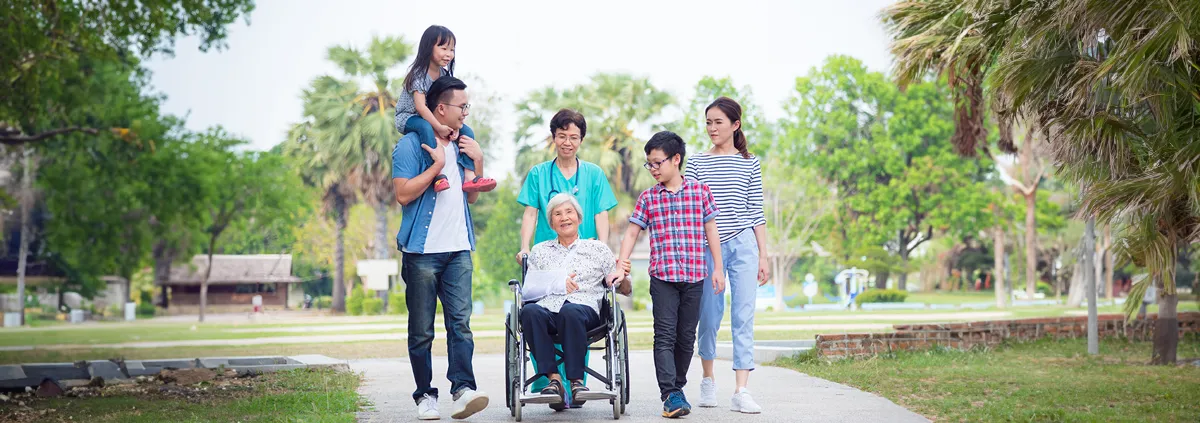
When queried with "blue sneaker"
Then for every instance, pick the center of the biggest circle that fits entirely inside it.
(676, 406)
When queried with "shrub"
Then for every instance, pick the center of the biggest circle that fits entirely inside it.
(881, 296)
(1045, 288)
(396, 304)
(145, 307)
(372, 306)
(324, 302)
(354, 303)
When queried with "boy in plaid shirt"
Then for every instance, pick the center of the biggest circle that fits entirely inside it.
(679, 214)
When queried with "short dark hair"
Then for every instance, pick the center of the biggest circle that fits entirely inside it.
(441, 89)
(670, 144)
(565, 118)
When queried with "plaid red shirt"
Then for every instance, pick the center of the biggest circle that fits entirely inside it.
(676, 225)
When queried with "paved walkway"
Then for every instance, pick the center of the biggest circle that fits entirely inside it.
(786, 395)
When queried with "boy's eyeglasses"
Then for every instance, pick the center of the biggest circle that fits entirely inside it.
(465, 107)
(654, 165)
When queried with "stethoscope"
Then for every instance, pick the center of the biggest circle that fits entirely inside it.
(578, 181)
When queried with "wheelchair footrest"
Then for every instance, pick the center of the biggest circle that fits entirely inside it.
(540, 398)
(596, 395)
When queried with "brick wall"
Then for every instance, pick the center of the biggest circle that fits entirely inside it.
(990, 333)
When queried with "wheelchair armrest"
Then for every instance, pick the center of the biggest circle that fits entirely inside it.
(513, 282)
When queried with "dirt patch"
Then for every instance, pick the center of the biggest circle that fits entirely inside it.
(198, 386)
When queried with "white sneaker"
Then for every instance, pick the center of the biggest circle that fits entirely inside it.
(468, 402)
(742, 402)
(708, 393)
(427, 409)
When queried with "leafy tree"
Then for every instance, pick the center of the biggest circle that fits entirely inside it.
(497, 243)
(47, 47)
(256, 188)
(898, 183)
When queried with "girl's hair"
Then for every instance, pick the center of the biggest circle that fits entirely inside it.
(733, 111)
(434, 36)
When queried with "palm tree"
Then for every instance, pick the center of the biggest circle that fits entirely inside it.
(1114, 86)
(357, 124)
(338, 195)
(347, 138)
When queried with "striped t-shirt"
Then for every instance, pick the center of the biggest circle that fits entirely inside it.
(736, 184)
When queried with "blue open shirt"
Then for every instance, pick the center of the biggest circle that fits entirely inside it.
(408, 161)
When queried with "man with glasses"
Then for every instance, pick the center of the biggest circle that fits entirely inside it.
(437, 239)
(565, 174)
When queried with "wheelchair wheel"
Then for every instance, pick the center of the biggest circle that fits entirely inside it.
(509, 357)
(624, 350)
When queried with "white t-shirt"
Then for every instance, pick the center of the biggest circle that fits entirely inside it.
(448, 227)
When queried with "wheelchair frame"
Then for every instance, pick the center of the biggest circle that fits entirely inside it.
(615, 347)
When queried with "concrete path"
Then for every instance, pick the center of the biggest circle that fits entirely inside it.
(786, 396)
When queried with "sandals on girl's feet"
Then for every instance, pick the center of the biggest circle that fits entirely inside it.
(479, 184)
(440, 183)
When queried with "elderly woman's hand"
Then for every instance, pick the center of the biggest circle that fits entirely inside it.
(571, 285)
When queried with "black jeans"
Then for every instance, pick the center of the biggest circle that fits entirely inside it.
(571, 324)
(676, 314)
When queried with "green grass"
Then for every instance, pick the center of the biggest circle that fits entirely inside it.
(290, 396)
(951, 297)
(1046, 380)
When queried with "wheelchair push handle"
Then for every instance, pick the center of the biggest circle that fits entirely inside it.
(524, 268)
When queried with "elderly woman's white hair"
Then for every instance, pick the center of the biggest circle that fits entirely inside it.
(559, 200)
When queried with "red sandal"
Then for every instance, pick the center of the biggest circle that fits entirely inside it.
(479, 184)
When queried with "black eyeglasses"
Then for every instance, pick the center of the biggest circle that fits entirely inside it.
(654, 165)
(465, 107)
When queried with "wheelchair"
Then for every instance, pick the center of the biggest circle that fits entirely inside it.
(611, 337)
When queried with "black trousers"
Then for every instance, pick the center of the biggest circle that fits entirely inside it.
(569, 326)
(676, 315)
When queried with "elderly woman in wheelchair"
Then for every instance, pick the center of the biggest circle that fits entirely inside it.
(566, 318)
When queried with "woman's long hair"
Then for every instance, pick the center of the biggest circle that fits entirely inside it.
(733, 111)
(434, 36)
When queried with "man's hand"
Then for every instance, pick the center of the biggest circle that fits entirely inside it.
(444, 131)
(438, 155)
(718, 281)
(521, 255)
(470, 147)
(571, 285)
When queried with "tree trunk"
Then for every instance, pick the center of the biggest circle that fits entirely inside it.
(212, 243)
(381, 231)
(26, 228)
(339, 259)
(1031, 243)
(998, 266)
(1030, 215)
(902, 278)
(1090, 259)
(1108, 263)
(1166, 328)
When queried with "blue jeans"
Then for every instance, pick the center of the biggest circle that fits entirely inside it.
(740, 256)
(428, 137)
(428, 277)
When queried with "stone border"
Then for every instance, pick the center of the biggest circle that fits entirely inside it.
(21, 376)
(966, 335)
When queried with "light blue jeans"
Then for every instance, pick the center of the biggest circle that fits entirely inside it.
(740, 257)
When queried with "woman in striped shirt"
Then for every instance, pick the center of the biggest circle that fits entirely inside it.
(735, 178)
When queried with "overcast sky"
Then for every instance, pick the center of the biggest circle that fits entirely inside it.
(253, 87)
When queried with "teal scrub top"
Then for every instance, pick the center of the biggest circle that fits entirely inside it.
(589, 185)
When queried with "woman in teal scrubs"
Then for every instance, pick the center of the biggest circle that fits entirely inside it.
(565, 174)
